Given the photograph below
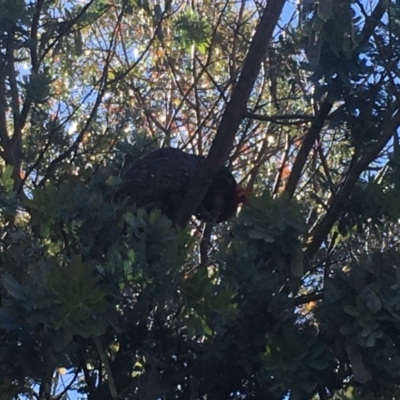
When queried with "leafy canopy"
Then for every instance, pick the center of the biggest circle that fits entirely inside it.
(297, 297)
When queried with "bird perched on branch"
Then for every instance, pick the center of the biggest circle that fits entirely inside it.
(162, 178)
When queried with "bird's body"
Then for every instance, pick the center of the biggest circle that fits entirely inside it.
(162, 178)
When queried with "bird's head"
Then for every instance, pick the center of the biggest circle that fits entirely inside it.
(222, 198)
(240, 197)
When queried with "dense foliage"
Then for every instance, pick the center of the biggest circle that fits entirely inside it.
(297, 297)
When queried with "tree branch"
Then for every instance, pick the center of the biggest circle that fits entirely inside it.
(284, 159)
(289, 119)
(308, 298)
(308, 142)
(34, 31)
(322, 229)
(3, 109)
(234, 111)
(103, 83)
(19, 123)
(104, 360)
(372, 21)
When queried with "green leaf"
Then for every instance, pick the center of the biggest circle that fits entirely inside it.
(371, 341)
(14, 288)
(371, 300)
(351, 310)
(254, 234)
(319, 365)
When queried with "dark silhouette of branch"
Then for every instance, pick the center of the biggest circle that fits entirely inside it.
(14, 146)
(34, 31)
(19, 123)
(66, 28)
(325, 168)
(157, 27)
(3, 108)
(205, 244)
(55, 162)
(322, 229)
(286, 119)
(45, 385)
(307, 298)
(234, 111)
(322, 115)
(104, 360)
(103, 82)
(372, 21)
(308, 142)
(14, 95)
(90, 379)
(284, 159)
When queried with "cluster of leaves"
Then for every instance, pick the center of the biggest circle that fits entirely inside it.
(85, 271)
(116, 294)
